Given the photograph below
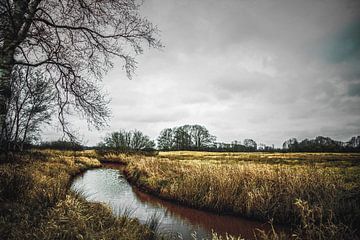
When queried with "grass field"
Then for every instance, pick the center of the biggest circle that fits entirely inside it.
(317, 194)
(35, 202)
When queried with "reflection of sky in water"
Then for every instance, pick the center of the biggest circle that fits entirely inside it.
(109, 186)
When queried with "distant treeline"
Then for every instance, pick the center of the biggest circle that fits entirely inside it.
(60, 145)
(322, 144)
(186, 137)
(198, 138)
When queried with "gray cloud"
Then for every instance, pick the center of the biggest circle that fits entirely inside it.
(267, 70)
(354, 89)
(344, 46)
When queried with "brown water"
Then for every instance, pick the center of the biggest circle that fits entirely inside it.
(108, 185)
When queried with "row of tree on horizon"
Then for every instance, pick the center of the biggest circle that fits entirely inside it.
(198, 138)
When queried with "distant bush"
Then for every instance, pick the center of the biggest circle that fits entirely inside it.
(60, 145)
(127, 141)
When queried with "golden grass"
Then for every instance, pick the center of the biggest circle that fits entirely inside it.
(318, 194)
(328, 159)
(35, 202)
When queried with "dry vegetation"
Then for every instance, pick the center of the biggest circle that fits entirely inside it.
(35, 202)
(318, 195)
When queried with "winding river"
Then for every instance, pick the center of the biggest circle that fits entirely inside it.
(108, 185)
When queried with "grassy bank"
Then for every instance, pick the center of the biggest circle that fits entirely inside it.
(317, 194)
(35, 202)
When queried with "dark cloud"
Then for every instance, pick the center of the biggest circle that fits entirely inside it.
(345, 45)
(354, 89)
(267, 70)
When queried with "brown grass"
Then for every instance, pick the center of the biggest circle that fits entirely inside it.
(317, 194)
(35, 202)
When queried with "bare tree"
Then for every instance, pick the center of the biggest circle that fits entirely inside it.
(250, 144)
(30, 106)
(72, 42)
(182, 137)
(201, 138)
(186, 137)
(140, 141)
(127, 141)
(165, 140)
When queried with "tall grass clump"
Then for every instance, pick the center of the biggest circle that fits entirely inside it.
(15, 182)
(153, 223)
(75, 218)
(314, 225)
(256, 190)
(35, 202)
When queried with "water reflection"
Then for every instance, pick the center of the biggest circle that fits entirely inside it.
(109, 186)
(219, 223)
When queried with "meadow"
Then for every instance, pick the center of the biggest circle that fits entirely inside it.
(36, 203)
(316, 194)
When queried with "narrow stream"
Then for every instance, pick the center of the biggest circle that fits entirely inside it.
(108, 185)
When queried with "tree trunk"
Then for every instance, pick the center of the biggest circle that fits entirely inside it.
(26, 128)
(14, 34)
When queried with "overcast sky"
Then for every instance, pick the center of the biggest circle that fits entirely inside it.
(261, 69)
